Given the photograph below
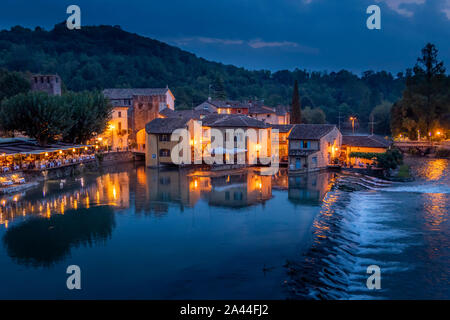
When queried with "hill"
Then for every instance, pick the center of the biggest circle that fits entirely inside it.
(98, 57)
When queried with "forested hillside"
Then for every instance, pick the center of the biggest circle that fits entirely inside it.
(105, 57)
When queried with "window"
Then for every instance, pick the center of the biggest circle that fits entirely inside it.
(164, 180)
(164, 137)
(304, 144)
(164, 153)
(120, 126)
(239, 111)
(119, 114)
(314, 161)
(56, 79)
(268, 116)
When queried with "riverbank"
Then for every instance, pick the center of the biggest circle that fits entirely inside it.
(34, 177)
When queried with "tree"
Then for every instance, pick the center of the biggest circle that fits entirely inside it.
(426, 98)
(37, 115)
(103, 59)
(12, 83)
(315, 116)
(296, 112)
(429, 76)
(381, 116)
(219, 89)
(89, 113)
(72, 117)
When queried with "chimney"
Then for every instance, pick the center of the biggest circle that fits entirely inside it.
(209, 99)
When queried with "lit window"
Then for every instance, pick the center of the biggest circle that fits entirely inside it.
(164, 137)
(164, 153)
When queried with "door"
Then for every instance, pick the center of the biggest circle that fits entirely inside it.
(298, 164)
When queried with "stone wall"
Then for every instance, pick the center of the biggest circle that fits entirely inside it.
(144, 110)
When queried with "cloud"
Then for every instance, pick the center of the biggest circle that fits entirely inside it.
(258, 43)
(254, 43)
(207, 40)
(446, 9)
(402, 6)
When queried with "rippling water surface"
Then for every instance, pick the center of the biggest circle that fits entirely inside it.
(169, 234)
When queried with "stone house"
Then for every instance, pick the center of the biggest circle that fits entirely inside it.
(158, 139)
(253, 150)
(366, 144)
(278, 115)
(313, 146)
(224, 107)
(283, 146)
(143, 105)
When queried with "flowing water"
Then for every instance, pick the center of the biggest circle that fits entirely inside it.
(170, 234)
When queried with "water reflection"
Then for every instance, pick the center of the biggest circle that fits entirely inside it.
(311, 188)
(43, 242)
(433, 170)
(153, 191)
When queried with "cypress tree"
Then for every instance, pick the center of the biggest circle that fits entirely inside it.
(296, 112)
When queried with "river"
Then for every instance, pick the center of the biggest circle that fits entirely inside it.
(140, 233)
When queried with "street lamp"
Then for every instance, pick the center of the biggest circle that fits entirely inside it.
(352, 119)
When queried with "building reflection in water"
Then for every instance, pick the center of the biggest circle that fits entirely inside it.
(185, 188)
(310, 188)
(153, 191)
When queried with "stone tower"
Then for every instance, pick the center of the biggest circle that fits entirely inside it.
(50, 83)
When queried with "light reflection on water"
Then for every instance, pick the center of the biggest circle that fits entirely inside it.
(206, 230)
(215, 234)
(401, 227)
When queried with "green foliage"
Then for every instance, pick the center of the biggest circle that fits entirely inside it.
(89, 113)
(73, 117)
(387, 160)
(219, 89)
(443, 153)
(36, 114)
(381, 116)
(12, 83)
(403, 172)
(425, 103)
(296, 111)
(390, 159)
(108, 57)
(364, 155)
(315, 115)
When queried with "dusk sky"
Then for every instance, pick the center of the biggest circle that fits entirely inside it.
(266, 34)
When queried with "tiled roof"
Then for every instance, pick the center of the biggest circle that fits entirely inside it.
(191, 114)
(232, 121)
(260, 110)
(365, 141)
(167, 112)
(310, 131)
(283, 128)
(228, 104)
(165, 125)
(281, 110)
(120, 93)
